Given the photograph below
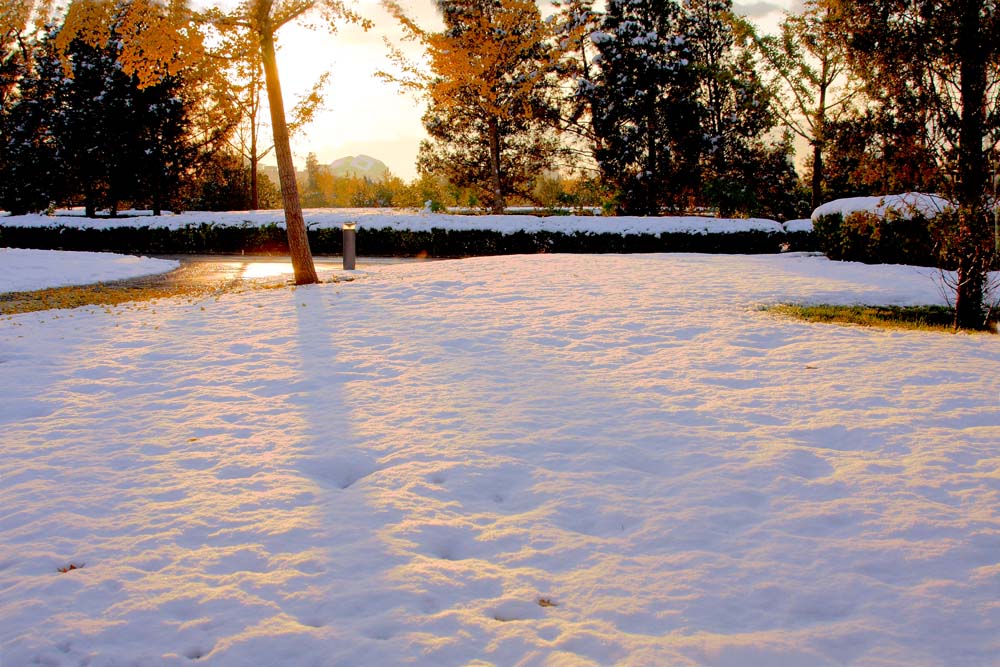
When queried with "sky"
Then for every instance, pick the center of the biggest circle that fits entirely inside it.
(365, 115)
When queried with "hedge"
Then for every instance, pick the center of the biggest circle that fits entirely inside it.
(867, 237)
(387, 242)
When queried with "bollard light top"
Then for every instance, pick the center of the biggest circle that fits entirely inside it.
(350, 225)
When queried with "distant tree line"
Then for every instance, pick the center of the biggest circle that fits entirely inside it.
(680, 106)
(640, 107)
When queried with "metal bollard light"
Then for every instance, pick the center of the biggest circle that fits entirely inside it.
(350, 236)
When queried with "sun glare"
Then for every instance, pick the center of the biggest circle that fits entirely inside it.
(258, 270)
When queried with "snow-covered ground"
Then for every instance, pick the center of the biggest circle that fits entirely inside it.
(407, 219)
(22, 270)
(532, 460)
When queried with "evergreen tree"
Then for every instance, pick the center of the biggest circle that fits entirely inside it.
(29, 169)
(736, 112)
(643, 99)
(313, 194)
(119, 142)
(94, 135)
(573, 55)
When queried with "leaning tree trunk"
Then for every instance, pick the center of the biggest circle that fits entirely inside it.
(298, 239)
(973, 233)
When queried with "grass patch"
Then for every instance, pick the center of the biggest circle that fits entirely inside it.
(921, 318)
(14, 303)
(184, 282)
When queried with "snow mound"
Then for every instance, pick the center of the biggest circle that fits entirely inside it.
(905, 205)
(801, 225)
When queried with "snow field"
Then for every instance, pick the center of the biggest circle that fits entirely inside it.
(398, 470)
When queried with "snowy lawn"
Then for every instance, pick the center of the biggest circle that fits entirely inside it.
(23, 270)
(540, 460)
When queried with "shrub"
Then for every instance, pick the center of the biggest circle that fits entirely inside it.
(866, 236)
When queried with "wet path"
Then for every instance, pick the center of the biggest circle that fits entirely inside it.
(228, 271)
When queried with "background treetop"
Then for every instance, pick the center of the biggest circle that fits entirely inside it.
(158, 37)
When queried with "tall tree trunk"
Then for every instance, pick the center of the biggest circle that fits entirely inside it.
(817, 175)
(254, 196)
(157, 187)
(649, 182)
(254, 157)
(298, 239)
(819, 136)
(498, 203)
(973, 232)
(89, 205)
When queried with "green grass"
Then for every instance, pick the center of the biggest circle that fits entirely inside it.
(922, 318)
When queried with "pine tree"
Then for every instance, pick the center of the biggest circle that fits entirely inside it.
(313, 194)
(28, 152)
(21, 23)
(82, 128)
(166, 153)
(643, 100)
(736, 112)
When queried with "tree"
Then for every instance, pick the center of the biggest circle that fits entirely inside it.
(877, 152)
(263, 18)
(223, 184)
(488, 94)
(805, 66)
(643, 99)
(313, 196)
(20, 23)
(736, 112)
(158, 38)
(240, 52)
(940, 60)
(28, 152)
(80, 126)
(573, 55)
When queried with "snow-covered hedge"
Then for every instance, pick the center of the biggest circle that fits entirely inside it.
(892, 229)
(905, 206)
(382, 232)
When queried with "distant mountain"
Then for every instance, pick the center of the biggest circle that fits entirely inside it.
(359, 165)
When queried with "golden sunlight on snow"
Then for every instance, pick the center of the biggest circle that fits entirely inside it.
(258, 270)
